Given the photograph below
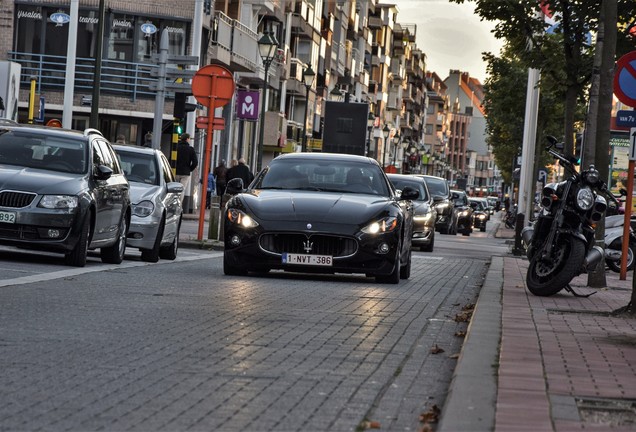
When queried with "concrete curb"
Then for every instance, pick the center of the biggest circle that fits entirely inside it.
(472, 397)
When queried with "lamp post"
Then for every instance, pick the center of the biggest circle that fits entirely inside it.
(267, 45)
(308, 80)
(335, 94)
(396, 143)
(370, 123)
(385, 132)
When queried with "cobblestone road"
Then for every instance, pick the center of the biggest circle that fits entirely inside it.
(178, 346)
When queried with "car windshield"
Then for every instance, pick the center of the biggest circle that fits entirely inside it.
(54, 153)
(479, 205)
(437, 186)
(139, 167)
(402, 183)
(324, 175)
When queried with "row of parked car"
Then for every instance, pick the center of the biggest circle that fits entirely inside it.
(70, 192)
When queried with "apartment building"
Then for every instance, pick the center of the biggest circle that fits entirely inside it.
(357, 49)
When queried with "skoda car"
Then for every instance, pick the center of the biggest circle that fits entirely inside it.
(446, 217)
(156, 202)
(62, 191)
(424, 215)
(320, 213)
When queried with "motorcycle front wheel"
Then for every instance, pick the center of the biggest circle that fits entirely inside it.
(548, 275)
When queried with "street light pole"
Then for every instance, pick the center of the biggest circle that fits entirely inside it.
(267, 47)
(308, 80)
(385, 133)
(370, 123)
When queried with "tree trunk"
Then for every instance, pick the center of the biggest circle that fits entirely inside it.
(596, 278)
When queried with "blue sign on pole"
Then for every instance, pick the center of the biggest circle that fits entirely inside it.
(626, 118)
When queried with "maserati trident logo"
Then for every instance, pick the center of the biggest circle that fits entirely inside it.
(307, 246)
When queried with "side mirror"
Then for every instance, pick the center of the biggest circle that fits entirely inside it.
(103, 172)
(409, 193)
(234, 186)
(437, 199)
(174, 187)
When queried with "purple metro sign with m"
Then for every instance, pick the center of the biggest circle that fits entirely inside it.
(247, 105)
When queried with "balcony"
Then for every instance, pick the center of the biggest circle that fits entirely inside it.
(119, 78)
(301, 27)
(244, 48)
(220, 48)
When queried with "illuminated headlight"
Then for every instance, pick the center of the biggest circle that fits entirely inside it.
(59, 202)
(143, 208)
(464, 213)
(585, 199)
(482, 216)
(442, 206)
(384, 225)
(240, 218)
(427, 217)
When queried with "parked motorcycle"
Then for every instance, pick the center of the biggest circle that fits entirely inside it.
(614, 243)
(560, 244)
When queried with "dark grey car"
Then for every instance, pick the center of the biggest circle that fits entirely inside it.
(62, 191)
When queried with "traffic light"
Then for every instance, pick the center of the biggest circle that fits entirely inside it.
(181, 107)
(178, 129)
(578, 147)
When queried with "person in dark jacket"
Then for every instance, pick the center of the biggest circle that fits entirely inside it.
(220, 173)
(186, 161)
(240, 171)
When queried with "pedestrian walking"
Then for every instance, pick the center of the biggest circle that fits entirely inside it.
(241, 171)
(210, 189)
(220, 175)
(186, 161)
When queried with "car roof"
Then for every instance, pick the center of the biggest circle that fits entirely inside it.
(47, 130)
(135, 148)
(327, 156)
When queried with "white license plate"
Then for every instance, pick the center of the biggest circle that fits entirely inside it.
(7, 217)
(303, 259)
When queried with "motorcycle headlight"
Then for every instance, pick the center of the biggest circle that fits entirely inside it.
(143, 208)
(241, 218)
(585, 199)
(383, 225)
(59, 202)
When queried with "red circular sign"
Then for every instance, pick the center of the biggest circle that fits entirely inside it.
(54, 123)
(213, 83)
(625, 79)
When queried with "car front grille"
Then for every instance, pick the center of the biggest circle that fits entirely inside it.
(317, 244)
(18, 232)
(15, 199)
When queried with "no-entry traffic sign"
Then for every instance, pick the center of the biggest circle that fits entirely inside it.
(625, 79)
(213, 82)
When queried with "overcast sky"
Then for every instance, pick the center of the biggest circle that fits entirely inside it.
(451, 35)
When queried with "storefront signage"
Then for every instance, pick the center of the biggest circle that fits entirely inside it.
(29, 15)
(148, 28)
(122, 23)
(60, 18)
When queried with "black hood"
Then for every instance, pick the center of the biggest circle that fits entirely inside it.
(40, 181)
(306, 206)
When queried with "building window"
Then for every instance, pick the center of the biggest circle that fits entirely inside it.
(122, 38)
(29, 29)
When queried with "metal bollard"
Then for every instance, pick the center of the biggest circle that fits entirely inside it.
(215, 216)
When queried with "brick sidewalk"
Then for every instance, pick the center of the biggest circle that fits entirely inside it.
(565, 363)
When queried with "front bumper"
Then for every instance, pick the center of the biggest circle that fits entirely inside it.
(142, 233)
(42, 229)
(244, 250)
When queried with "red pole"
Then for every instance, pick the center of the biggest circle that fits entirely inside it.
(208, 147)
(628, 214)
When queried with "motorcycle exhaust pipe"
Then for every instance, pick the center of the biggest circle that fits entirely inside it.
(594, 256)
(526, 235)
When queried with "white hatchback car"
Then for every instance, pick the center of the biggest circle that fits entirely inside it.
(156, 202)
